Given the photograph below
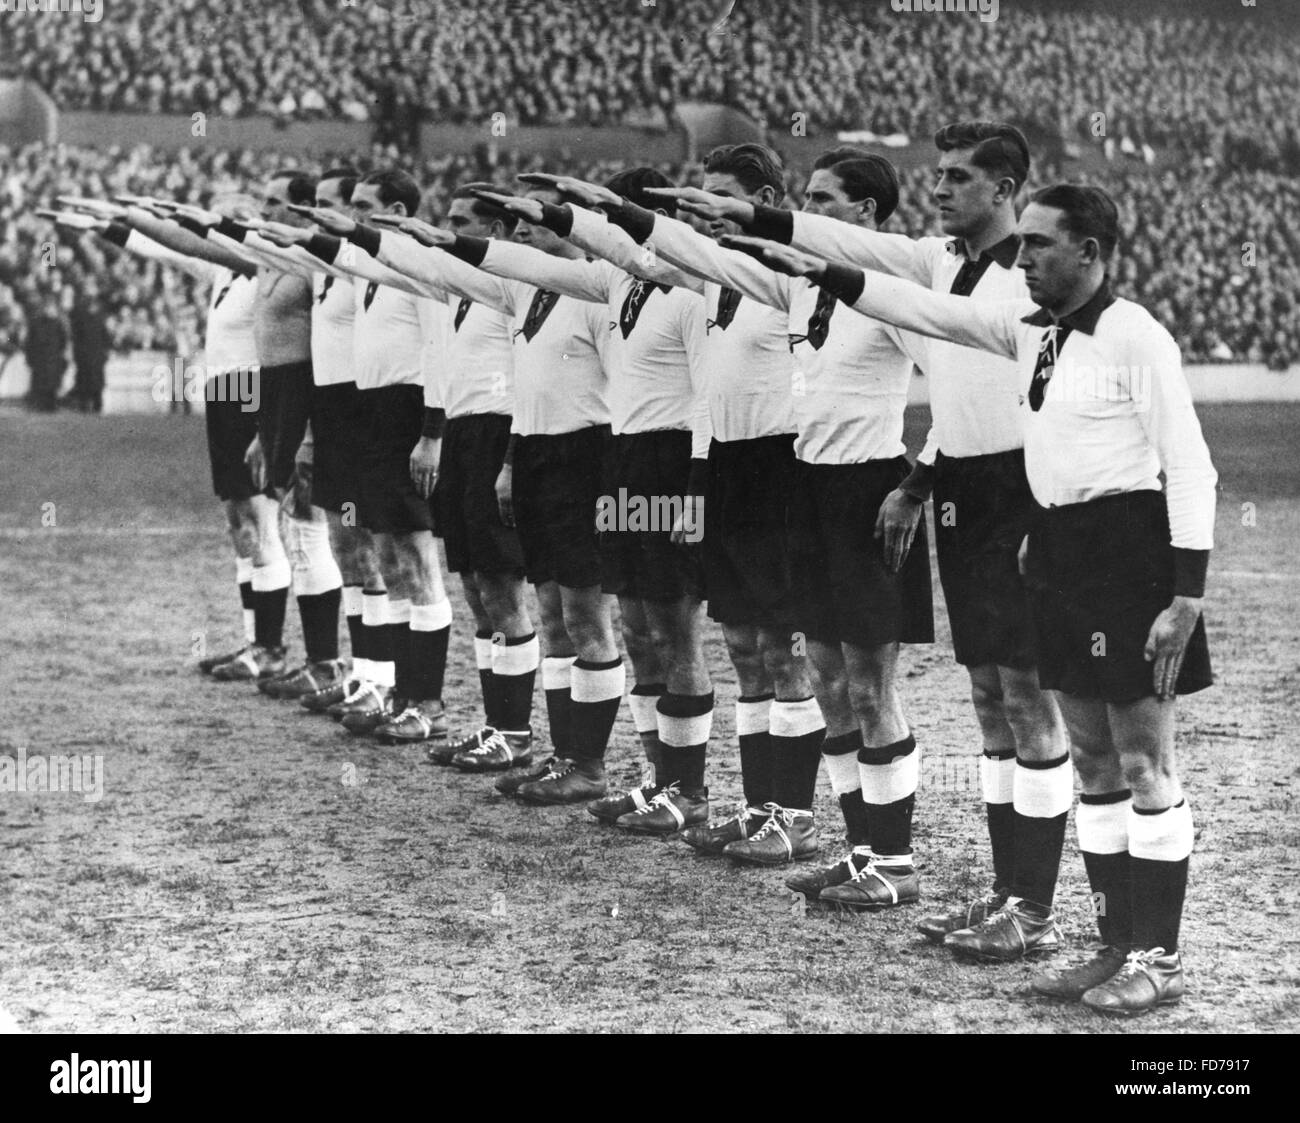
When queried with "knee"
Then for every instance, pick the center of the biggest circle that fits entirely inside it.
(988, 699)
(865, 697)
(1144, 771)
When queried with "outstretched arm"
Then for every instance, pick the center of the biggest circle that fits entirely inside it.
(416, 249)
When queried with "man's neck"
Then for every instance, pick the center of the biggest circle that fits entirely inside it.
(1079, 296)
(1000, 227)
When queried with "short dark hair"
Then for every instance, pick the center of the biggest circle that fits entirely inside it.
(395, 186)
(489, 212)
(347, 178)
(997, 148)
(869, 177)
(754, 166)
(631, 184)
(1087, 212)
(832, 157)
(302, 188)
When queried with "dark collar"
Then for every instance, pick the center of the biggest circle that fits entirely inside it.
(1084, 318)
(1004, 252)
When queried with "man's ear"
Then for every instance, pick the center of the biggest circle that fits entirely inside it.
(1004, 189)
(767, 195)
(398, 208)
(1089, 251)
(867, 208)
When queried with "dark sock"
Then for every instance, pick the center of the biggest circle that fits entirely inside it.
(1159, 888)
(597, 693)
(1002, 834)
(798, 735)
(357, 637)
(684, 721)
(268, 614)
(559, 718)
(514, 688)
(247, 598)
(428, 652)
(320, 625)
(889, 824)
(399, 638)
(855, 812)
(486, 681)
(1112, 896)
(1039, 840)
(756, 759)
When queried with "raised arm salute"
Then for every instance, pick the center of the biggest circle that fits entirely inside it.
(1116, 563)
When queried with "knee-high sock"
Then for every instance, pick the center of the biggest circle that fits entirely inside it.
(244, 579)
(685, 723)
(597, 694)
(514, 674)
(753, 721)
(841, 755)
(399, 635)
(353, 600)
(483, 661)
(997, 778)
(270, 596)
(797, 733)
(1101, 822)
(379, 641)
(644, 704)
(316, 583)
(557, 685)
(430, 631)
(889, 779)
(1160, 848)
(1044, 791)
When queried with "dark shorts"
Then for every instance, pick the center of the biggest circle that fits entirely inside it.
(282, 417)
(746, 549)
(389, 421)
(1099, 575)
(557, 481)
(335, 475)
(465, 500)
(983, 509)
(646, 479)
(231, 429)
(845, 594)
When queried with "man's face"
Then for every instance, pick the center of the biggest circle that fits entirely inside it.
(275, 203)
(1053, 262)
(967, 195)
(329, 194)
(365, 202)
(539, 237)
(724, 183)
(825, 195)
(461, 219)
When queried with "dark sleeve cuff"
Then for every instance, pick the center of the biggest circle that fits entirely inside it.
(559, 219)
(469, 249)
(1190, 567)
(367, 237)
(435, 421)
(199, 229)
(230, 228)
(919, 482)
(637, 221)
(698, 475)
(772, 223)
(843, 281)
(117, 233)
(324, 246)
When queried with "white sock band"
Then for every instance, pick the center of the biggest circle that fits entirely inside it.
(796, 719)
(399, 610)
(271, 577)
(374, 609)
(998, 778)
(482, 653)
(599, 685)
(361, 669)
(557, 673)
(431, 617)
(753, 717)
(645, 715)
(353, 596)
(516, 658)
(843, 772)
(383, 674)
(1102, 828)
(1044, 793)
(314, 569)
(887, 783)
(683, 732)
(1166, 837)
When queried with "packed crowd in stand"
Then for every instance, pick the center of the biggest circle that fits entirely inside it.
(856, 66)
